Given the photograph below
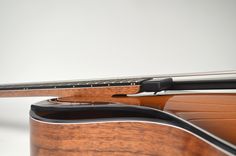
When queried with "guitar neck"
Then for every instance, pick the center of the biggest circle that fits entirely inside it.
(74, 84)
(109, 87)
(73, 88)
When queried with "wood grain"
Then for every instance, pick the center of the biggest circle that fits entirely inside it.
(67, 92)
(215, 113)
(115, 138)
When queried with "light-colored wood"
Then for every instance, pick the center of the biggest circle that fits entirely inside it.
(115, 138)
(67, 92)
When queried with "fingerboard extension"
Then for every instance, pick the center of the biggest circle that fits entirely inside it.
(75, 84)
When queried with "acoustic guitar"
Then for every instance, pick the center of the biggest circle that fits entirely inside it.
(180, 114)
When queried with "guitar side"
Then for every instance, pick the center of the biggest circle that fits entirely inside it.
(115, 129)
(109, 116)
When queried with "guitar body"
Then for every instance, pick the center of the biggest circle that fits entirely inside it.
(123, 138)
(174, 116)
(121, 126)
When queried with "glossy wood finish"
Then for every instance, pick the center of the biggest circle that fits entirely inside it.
(215, 113)
(208, 111)
(115, 138)
(80, 92)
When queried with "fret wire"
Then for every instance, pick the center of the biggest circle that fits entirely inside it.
(74, 84)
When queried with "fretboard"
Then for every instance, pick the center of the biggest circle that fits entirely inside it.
(191, 81)
(74, 84)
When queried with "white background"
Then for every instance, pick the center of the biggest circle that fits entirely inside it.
(71, 39)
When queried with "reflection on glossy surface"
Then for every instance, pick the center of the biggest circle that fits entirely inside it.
(215, 113)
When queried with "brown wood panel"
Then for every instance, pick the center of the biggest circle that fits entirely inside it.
(115, 138)
(67, 92)
(215, 113)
